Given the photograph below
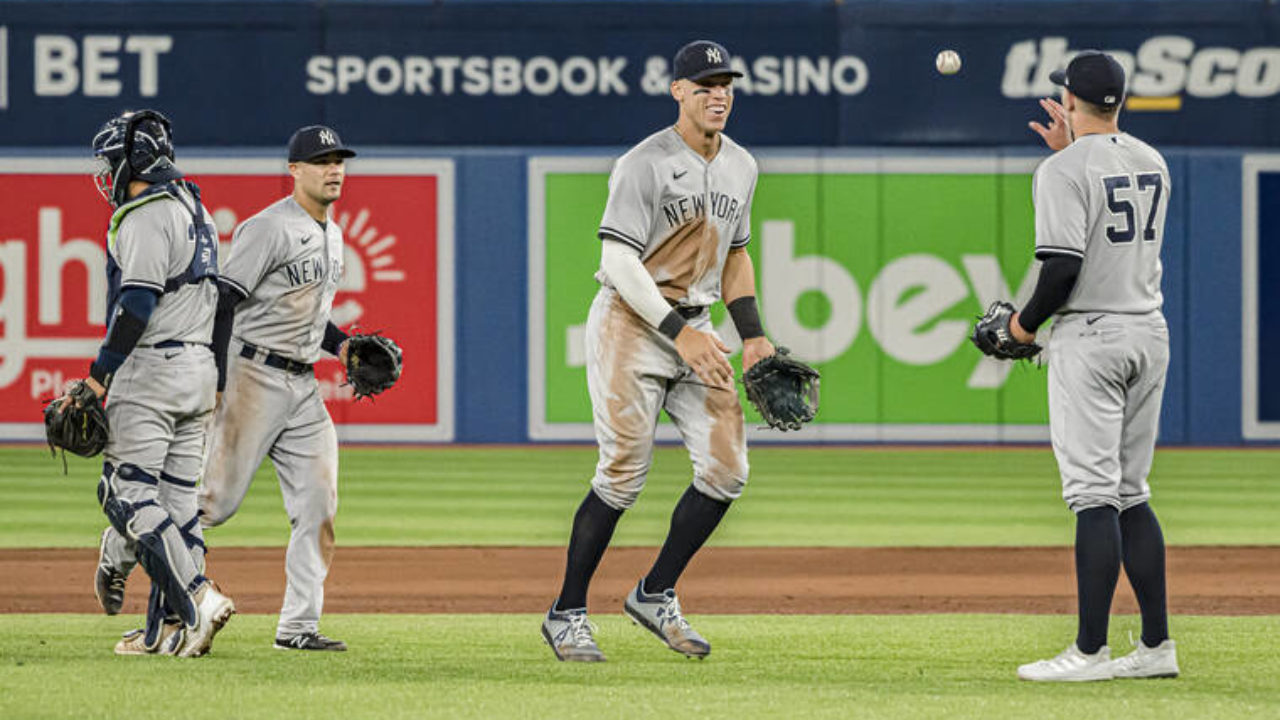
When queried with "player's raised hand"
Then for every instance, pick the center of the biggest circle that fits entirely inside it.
(1058, 133)
(705, 353)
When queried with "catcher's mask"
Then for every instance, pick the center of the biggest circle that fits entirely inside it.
(137, 145)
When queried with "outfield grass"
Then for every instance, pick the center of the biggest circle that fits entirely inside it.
(924, 666)
(797, 496)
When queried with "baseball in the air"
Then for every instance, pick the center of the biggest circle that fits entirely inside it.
(948, 62)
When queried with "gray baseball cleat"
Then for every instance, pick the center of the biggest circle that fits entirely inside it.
(309, 641)
(108, 580)
(660, 615)
(571, 636)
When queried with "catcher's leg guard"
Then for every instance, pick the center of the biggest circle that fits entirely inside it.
(156, 613)
(129, 498)
(154, 557)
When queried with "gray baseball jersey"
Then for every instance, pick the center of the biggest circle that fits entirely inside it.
(154, 242)
(1104, 199)
(681, 211)
(288, 267)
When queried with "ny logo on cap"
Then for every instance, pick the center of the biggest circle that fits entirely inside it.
(326, 138)
(713, 55)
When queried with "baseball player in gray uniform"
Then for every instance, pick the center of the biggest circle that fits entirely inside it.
(674, 237)
(277, 288)
(157, 363)
(1100, 204)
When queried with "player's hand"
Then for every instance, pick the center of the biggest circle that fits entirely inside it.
(342, 353)
(94, 385)
(755, 350)
(1018, 333)
(217, 401)
(1058, 134)
(705, 353)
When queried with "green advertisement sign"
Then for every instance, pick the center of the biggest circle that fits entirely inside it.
(873, 269)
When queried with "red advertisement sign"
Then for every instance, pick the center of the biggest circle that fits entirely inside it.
(397, 279)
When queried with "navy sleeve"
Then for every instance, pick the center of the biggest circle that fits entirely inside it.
(224, 317)
(1057, 279)
(133, 311)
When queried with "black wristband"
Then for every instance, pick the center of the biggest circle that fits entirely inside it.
(746, 317)
(333, 339)
(671, 325)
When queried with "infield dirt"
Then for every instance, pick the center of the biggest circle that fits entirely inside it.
(1225, 580)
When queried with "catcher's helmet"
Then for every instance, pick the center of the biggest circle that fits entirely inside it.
(137, 145)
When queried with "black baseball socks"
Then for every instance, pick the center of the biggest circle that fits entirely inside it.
(1097, 570)
(593, 527)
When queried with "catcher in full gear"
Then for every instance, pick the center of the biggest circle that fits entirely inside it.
(156, 362)
(277, 289)
(673, 240)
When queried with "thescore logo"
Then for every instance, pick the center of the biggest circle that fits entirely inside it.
(1162, 66)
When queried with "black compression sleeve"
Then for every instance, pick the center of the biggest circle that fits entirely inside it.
(333, 339)
(1057, 278)
(223, 319)
(127, 325)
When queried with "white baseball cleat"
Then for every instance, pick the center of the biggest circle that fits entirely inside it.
(1160, 661)
(571, 636)
(1071, 665)
(213, 610)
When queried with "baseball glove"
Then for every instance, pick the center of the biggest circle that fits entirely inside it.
(783, 390)
(992, 335)
(373, 364)
(78, 425)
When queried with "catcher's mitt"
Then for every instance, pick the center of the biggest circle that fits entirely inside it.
(78, 425)
(992, 335)
(783, 390)
(373, 364)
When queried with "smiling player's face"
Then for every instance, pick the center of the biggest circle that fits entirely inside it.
(706, 103)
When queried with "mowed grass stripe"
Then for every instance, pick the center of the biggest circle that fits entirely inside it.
(926, 666)
(842, 496)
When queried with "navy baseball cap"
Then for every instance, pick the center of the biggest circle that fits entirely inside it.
(1093, 76)
(313, 141)
(701, 59)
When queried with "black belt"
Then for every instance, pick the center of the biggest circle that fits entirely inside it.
(687, 312)
(273, 360)
(176, 344)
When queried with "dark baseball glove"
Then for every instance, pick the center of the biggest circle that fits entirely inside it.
(78, 425)
(783, 390)
(373, 364)
(992, 335)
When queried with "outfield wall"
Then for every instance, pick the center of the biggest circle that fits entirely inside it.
(870, 263)
(894, 202)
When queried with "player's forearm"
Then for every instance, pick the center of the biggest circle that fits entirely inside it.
(621, 263)
(223, 321)
(739, 283)
(133, 311)
(739, 276)
(1057, 279)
